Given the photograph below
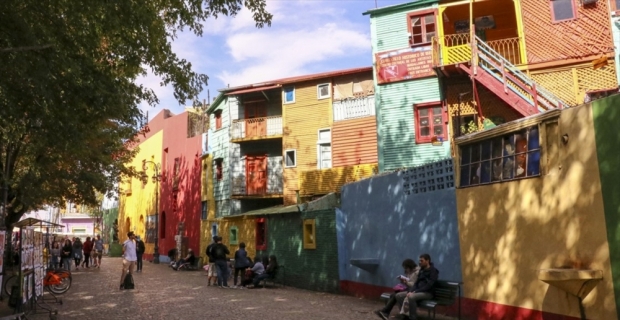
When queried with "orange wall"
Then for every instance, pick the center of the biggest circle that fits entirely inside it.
(354, 142)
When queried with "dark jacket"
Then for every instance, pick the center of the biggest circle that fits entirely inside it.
(209, 252)
(220, 251)
(66, 250)
(426, 280)
(87, 247)
(140, 247)
(241, 259)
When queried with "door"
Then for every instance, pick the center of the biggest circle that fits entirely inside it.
(255, 122)
(256, 173)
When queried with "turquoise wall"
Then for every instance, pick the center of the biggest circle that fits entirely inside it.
(615, 29)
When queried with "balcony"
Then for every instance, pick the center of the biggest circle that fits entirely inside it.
(453, 49)
(256, 128)
(354, 108)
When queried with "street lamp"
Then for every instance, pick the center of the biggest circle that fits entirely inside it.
(156, 178)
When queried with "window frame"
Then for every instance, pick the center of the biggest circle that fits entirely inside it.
(319, 143)
(294, 158)
(421, 13)
(261, 246)
(419, 139)
(306, 233)
(516, 154)
(318, 91)
(552, 11)
(233, 240)
(204, 210)
(219, 169)
(614, 8)
(284, 101)
(217, 115)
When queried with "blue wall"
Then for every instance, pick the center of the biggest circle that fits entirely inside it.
(381, 218)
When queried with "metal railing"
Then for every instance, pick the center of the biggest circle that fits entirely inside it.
(456, 48)
(262, 127)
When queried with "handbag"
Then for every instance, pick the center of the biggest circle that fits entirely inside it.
(400, 287)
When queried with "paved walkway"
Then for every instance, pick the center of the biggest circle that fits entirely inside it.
(162, 293)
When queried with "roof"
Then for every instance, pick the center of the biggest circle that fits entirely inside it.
(402, 6)
(273, 210)
(29, 222)
(274, 83)
(218, 100)
(253, 89)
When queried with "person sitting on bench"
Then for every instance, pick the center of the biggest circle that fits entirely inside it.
(270, 271)
(190, 259)
(407, 280)
(422, 289)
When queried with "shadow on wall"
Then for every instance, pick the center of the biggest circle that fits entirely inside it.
(379, 221)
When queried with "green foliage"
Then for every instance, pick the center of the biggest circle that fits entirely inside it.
(68, 98)
(470, 127)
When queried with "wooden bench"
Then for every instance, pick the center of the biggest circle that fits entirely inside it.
(446, 293)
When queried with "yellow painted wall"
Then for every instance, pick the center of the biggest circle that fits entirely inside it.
(302, 121)
(510, 230)
(331, 180)
(246, 228)
(141, 201)
(207, 195)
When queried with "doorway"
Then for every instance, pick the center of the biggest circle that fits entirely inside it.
(256, 173)
(255, 123)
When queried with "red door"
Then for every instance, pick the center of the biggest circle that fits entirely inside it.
(256, 173)
(255, 123)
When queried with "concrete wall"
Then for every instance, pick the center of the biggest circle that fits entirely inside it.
(510, 230)
(379, 220)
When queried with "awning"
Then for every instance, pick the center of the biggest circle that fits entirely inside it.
(30, 222)
(252, 90)
(273, 210)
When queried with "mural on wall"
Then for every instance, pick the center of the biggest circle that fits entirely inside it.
(150, 228)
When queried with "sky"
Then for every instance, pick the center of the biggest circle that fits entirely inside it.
(305, 37)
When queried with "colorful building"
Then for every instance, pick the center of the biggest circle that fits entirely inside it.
(170, 196)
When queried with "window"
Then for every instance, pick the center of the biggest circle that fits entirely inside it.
(204, 210)
(615, 5)
(219, 174)
(562, 10)
(465, 124)
(233, 237)
(512, 156)
(430, 122)
(421, 27)
(218, 119)
(162, 225)
(261, 234)
(309, 234)
(78, 230)
(324, 149)
(322, 91)
(177, 171)
(290, 158)
(289, 94)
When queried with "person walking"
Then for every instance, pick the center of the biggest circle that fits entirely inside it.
(65, 254)
(140, 248)
(77, 252)
(129, 256)
(219, 254)
(87, 247)
(55, 251)
(98, 247)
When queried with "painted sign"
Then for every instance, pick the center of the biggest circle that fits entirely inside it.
(404, 64)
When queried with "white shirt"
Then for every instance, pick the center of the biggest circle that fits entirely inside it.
(130, 250)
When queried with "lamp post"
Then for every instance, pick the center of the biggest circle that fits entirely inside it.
(156, 178)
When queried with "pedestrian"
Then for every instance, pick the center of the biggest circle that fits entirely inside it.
(55, 251)
(98, 247)
(140, 248)
(77, 252)
(65, 254)
(211, 272)
(129, 256)
(241, 263)
(219, 253)
(87, 247)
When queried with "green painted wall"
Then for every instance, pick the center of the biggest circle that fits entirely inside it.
(606, 115)
(311, 269)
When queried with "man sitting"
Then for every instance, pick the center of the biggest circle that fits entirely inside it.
(190, 259)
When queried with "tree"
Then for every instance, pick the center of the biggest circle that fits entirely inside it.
(68, 98)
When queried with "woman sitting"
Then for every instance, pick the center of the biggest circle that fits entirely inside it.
(257, 269)
(407, 280)
(270, 271)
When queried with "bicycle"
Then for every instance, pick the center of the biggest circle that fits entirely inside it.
(57, 281)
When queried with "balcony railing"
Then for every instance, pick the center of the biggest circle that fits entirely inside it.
(354, 108)
(256, 128)
(456, 48)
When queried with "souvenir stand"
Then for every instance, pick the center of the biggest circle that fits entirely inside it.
(32, 266)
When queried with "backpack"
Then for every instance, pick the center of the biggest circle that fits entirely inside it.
(219, 252)
(128, 282)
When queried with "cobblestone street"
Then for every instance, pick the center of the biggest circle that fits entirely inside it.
(162, 293)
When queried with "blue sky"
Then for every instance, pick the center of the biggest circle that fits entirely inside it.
(305, 37)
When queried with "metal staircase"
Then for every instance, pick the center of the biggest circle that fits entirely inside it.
(505, 80)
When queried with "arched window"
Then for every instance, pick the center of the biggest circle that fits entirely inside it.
(141, 226)
(127, 228)
(162, 225)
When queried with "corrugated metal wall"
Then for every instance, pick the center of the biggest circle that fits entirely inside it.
(390, 30)
(323, 181)
(396, 124)
(219, 141)
(302, 120)
(354, 142)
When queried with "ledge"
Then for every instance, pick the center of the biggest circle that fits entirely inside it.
(367, 264)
